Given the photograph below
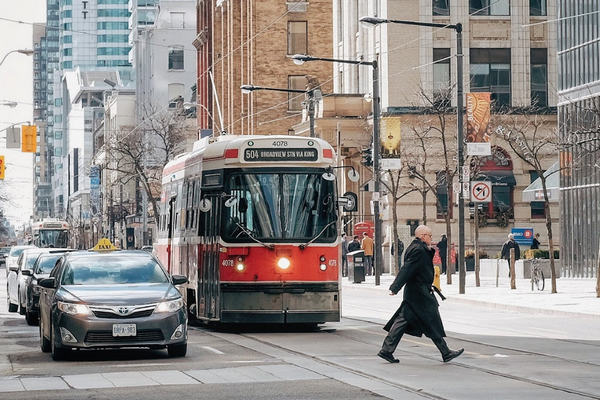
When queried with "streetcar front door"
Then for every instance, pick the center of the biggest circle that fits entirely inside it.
(208, 301)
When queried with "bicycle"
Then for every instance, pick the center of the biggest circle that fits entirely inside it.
(537, 276)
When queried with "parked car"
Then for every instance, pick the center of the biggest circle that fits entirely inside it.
(111, 299)
(3, 254)
(14, 254)
(15, 279)
(40, 269)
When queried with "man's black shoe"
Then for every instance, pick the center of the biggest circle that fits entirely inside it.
(452, 355)
(387, 356)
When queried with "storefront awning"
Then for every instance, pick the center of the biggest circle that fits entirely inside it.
(498, 177)
(534, 192)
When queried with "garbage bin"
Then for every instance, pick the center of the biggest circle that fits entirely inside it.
(356, 266)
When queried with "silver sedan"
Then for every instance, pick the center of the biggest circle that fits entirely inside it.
(111, 299)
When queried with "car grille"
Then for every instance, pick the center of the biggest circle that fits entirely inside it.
(110, 314)
(107, 337)
(117, 312)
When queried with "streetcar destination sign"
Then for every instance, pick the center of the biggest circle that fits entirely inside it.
(280, 154)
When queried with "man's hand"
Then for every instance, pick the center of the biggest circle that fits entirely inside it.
(392, 293)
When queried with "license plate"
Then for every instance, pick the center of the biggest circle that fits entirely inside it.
(124, 330)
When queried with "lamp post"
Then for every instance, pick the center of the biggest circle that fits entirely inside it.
(459, 126)
(27, 52)
(300, 59)
(11, 104)
(311, 101)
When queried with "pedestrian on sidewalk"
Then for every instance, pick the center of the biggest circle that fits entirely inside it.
(367, 246)
(344, 253)
(443, 249)
(354, 244)
(505, 252)
(535, 244)
(418, 314)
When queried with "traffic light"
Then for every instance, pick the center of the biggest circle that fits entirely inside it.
(28, 138)
(1, 167)
(367, 157)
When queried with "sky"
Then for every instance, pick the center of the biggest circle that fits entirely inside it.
(16, 74)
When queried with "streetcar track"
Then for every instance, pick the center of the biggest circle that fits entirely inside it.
(413, 390)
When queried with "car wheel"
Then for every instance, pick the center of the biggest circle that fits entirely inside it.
(31, 318)
(22, 309)
(11, 307)
(44, 343)
(58, 353)
(177, 350)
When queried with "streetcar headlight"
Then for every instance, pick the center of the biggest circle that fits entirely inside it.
(322, 265)
(240, 266)
(283, 263)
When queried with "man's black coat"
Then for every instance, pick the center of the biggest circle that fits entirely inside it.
(419, 306)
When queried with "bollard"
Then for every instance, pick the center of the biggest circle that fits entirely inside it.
(436, 277)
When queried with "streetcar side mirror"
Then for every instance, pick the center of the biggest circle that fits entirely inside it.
(205, 205)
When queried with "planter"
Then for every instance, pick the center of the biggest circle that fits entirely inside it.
(470, 264)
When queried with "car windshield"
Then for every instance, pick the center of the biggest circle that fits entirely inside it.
(30, 258)
(112, 269)
(4, 250)
(46, 263)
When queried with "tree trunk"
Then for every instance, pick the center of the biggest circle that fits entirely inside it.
(513, 283)
(476, 219)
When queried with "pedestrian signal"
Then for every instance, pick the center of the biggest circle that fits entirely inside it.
(1, 167)
(28, 138)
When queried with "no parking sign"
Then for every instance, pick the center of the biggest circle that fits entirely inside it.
(481, 191)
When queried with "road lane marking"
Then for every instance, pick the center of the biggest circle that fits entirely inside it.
(213, 350)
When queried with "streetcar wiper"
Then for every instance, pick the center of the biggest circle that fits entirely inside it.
(303, 246)
(249, 233)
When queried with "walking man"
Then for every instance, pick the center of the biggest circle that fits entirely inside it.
(367, 246)
(418, 314)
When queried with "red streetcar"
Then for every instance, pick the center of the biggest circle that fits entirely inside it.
(252, 221)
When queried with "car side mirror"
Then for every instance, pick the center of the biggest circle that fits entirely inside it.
(14, 267)
(49, 283)
(27, 272)
(179, 279)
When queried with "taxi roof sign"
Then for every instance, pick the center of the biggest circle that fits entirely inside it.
(104, 245)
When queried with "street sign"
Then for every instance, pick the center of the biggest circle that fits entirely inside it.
(456, 187)
(466, 173)
(481, 191)
(523, 236)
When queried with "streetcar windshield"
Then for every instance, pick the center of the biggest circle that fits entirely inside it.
(279, 206)
(52, 238)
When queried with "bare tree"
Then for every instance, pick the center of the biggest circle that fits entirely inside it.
(139, 154)
(431, 157)
(533, 138)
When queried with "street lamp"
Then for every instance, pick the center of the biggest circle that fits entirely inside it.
(300, 59)
(311, 101)
(459, 126)
(27, 52)
(11, 104)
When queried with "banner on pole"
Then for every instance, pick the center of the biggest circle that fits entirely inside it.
(478, 124)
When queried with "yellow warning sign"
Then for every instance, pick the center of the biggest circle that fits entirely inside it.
(104, 245)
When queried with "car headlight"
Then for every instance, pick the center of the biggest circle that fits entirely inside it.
(73, 309)
(169, 306)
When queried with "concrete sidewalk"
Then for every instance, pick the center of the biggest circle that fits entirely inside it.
(575, 296)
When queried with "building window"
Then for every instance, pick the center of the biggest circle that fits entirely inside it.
(489, 7)
(444, 199)
(296, 82)
(176, 58)
(490, 72)
(178, 20)
(539, 77)
(538, 209)
(537, 7)
(441, 78)
(441, 7)
(297, 37)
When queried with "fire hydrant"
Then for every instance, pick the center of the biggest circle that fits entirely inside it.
(436, 277)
